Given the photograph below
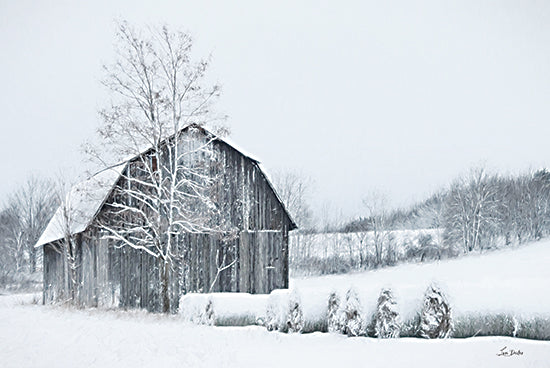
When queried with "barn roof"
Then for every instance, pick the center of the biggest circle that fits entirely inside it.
(81, 205)
(85, 199)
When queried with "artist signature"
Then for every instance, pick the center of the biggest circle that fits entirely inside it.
(505, 352)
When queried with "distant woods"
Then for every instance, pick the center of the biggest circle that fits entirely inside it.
(24, 215)
(477, 212)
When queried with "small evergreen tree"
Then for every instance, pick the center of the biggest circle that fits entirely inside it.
(435, 318)
(295, 318)
(352, 319)
(333, 313)
(386, 318)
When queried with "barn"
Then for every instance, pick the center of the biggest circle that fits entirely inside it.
(249, 253)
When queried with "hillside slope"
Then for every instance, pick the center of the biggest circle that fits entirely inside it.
(513, 281)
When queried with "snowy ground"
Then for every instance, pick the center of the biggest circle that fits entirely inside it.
(38, 336)
(512, 281)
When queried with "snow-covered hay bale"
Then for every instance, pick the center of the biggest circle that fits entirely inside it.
(230, 309)
(243, 309)
(276, 310)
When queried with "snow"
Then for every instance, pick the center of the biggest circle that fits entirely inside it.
(39, 336)
(235, 307)
(513, 281)
(233, 145)
(84, 200)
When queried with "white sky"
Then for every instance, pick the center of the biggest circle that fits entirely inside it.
(398, 97)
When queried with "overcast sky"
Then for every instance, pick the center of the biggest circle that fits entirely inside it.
(395, 97)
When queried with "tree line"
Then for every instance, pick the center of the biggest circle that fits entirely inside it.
(476, 212)
(24, 215)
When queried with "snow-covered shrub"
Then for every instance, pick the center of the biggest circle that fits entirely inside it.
(435, 318)
(409, 327)
(295, 317)
(334, 313)
(208, 316)
(352, 321)
(386, 318)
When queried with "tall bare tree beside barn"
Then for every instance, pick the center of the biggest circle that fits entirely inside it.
(170, 187)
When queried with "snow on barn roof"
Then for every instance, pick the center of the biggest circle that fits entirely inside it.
(81, 205)
(85, 199)
(233, 145)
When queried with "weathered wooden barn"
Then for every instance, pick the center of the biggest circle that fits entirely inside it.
(108, 273)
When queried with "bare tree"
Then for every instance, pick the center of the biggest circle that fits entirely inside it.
(538, 191)
(67, 246)
(362, 239)
(376, 207)
(27, 213)
(170, 186)
(471, 210)
(14, 237)
(294, 189)
(8, 253)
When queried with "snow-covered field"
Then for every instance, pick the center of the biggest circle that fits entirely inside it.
(512, 281)
(501, 292)
(39, 336)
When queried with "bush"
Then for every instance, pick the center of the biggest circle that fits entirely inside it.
(334, 313)
(435, 318)
(295, 318)
(272, 321)
(386, 319)
(352, 319)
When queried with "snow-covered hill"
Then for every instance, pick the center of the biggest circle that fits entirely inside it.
(512, 281)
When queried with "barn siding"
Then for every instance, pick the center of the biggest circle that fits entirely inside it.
(128, 278)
